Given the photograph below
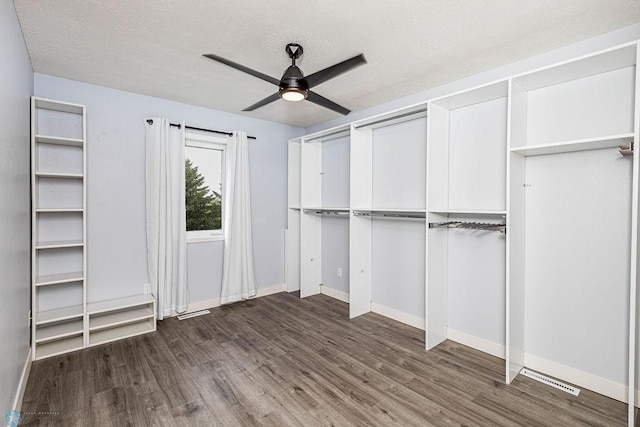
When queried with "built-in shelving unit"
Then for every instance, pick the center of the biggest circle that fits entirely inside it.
(63, 320)
(120, 318)
(324, 199)
(387, 227)
(466, 183)
(58, 226)
(505, 219)
(572, 212)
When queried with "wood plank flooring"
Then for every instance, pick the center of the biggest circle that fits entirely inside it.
(284, 361)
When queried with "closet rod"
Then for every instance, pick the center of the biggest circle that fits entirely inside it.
(391, 215)
(334, 135)
(326, 212)
(178, 125)
(399, 116)
(502, 228)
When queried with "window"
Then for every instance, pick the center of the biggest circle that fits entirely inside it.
(204, 172)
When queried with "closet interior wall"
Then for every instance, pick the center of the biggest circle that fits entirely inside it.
(467, 183)
(573, 256)
(324, 224)
(508, 212)
(387, 248)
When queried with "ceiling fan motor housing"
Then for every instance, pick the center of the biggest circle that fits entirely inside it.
(293, 80)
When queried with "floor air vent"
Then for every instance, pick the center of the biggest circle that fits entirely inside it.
(194, 314)
(550, 381)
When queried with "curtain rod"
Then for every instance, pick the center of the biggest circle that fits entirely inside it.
(178, 125)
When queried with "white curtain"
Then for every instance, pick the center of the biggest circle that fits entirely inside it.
(238, 277)
(166, 220)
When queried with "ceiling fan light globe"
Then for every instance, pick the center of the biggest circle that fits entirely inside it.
(293, 95)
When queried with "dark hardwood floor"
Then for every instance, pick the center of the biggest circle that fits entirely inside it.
(279, 361)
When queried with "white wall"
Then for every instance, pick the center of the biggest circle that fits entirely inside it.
(16, 86)
(117, 264)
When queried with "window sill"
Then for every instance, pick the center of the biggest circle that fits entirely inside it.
(204, 239)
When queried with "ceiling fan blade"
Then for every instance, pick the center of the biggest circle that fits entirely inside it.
(242, 68)
(324, 102)
(265, 101)
(334, 71)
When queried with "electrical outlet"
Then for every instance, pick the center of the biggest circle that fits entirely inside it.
(147, 288)
(339, 271)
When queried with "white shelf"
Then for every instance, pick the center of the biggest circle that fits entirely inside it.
(59, 244)
(469, 211)
(612, 141)
(65, 107)
(58, 210)
(59, 140)
(120, 318)
(119, 303)
(59, 175)
(58, 331)
(59, 314)
(120, 332)
(59, 347)
(54, 279)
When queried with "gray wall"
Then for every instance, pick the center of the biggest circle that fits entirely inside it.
(117, 264)
(16, 85)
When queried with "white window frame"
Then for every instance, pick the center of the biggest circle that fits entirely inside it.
(209, 142)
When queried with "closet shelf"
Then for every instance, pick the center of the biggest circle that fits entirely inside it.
(119, 303)
(59, 314)
(612, 141)
(59, 175)
(59, 331)
(59, 140)
(60, 244)
(54, 348)
(54, 279)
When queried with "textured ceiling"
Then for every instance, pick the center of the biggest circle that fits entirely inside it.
(154, 47)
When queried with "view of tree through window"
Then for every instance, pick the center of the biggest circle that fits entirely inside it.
(203, 188)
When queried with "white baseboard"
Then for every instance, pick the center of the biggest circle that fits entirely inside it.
(400, 316)
(215, 302)
(334, 293)
(22, 385)
(492, 348)
(553, 369)
(580, 378)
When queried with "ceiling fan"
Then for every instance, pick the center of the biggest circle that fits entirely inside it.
(294, 86)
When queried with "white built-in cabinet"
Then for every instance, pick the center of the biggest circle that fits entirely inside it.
(63, 318)
(503, 217)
